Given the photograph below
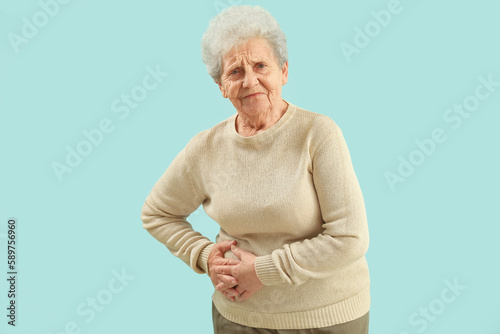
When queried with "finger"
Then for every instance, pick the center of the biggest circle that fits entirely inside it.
(232, 298)
(224, 246)
(223, 270)
(223, 286)
(220, 260)
(239, 289)
(238, 251)
(232, 292)
(227, 279)
(225, 262)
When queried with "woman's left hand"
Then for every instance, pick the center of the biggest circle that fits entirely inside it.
(248, 281)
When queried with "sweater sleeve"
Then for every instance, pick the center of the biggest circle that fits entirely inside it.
(171, 201)
(344, 238)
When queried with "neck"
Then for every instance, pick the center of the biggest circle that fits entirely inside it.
(249, 125)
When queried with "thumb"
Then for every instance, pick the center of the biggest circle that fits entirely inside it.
(226, 245)
(237, 251)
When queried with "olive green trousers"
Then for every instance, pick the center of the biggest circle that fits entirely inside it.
(224, 326)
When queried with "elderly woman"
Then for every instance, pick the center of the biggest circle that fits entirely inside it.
(278, 179)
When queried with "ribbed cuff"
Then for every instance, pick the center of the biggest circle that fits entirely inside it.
(267, 271)
(203, 258)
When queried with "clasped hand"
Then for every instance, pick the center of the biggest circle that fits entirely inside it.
(235, 278)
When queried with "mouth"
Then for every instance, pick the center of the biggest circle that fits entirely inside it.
(252, 95)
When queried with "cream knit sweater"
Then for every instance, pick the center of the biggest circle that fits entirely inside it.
(289, 195)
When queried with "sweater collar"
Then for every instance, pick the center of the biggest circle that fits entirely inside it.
(265, 135)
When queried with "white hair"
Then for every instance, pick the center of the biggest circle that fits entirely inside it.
(236, 25)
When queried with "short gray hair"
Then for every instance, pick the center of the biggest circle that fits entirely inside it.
(236, 25)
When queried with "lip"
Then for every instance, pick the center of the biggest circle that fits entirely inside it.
(252, 95)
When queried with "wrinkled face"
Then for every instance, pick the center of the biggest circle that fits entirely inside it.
(251, 77)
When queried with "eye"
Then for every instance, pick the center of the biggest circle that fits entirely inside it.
(261, 65)
(234, 72)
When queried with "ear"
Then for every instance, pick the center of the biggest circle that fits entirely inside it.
(221, 87)
(284, 74)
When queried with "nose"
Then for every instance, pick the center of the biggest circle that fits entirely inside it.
(250, 79)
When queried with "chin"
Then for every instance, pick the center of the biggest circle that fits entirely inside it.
(257, 109)
(255, 106)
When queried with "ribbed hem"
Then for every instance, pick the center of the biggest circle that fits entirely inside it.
(267, 271)
(346, 310)
(203, 258)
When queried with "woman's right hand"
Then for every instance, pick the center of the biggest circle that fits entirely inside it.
(223, 283)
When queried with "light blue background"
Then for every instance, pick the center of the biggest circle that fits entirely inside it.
(440, 224)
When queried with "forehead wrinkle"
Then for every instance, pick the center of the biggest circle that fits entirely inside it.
(248, 56)
(243, 57)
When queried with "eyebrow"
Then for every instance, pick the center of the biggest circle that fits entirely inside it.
(252, 62)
